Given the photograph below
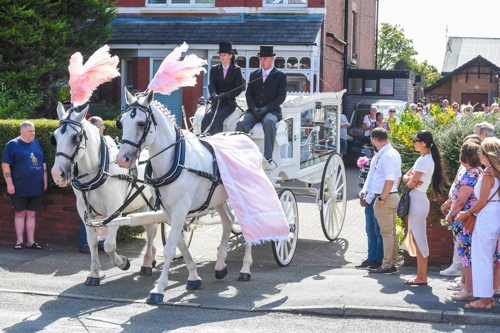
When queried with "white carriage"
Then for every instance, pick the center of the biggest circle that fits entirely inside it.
(305, 150)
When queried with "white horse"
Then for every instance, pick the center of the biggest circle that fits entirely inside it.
(80, 146)
(182, 192)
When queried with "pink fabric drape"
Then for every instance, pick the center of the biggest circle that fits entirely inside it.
(250, 191)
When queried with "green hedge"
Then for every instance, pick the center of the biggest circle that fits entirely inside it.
(9, 129)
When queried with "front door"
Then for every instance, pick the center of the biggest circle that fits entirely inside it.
(478, 99)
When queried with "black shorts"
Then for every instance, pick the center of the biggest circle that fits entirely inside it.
(26, 203)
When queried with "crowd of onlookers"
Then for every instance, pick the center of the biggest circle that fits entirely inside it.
(474, 194)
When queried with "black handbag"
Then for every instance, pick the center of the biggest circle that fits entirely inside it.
(404, 203)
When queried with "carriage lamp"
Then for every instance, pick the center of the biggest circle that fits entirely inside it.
(202, 101)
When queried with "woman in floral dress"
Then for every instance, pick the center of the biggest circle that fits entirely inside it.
(462, 199)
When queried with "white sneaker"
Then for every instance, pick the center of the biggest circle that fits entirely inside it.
(451, 271)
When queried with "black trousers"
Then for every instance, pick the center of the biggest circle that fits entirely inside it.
(221, 110)
(248, 121)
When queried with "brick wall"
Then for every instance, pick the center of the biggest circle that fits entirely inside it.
(190, 96)
(366, 33)
(439, 238)
(130, 3)
(332, 63)
(57, 222)
(141, 73)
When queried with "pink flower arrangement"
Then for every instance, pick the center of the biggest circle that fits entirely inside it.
(363, 161)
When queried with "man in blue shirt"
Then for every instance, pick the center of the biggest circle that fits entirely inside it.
(25, 172)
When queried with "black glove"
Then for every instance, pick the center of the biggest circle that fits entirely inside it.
(215, 97)
(264, 110)
(257, 112)
(222, 96)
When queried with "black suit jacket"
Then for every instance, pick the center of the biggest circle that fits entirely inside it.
(233, 80)
(271, 93)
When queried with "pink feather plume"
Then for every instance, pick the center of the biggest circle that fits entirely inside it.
(174, 74)
(84, 79)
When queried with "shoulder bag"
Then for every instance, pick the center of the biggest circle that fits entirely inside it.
(404, 203)
(470, 220)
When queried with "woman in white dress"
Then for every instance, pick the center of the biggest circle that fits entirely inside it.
(427, 171)
(487, 228)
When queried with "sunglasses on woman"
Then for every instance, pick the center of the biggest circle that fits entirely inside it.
(416, 140)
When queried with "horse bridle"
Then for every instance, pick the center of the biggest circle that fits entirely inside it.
(150, 119)
(63, 124)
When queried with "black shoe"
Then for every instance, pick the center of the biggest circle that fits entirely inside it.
(364, 264)
(394, 269)
(100, 247)
(381, 270)
(84, 249)
(375, 264)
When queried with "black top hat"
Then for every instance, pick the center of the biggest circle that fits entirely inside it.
(266, 51)
(226, 47)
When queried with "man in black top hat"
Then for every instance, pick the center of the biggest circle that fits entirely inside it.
(266, 91)
(226, 83)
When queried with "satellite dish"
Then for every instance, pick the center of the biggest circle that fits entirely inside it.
(400, 65)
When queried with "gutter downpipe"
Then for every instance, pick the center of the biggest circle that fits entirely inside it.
(376, 37)
(346, 38)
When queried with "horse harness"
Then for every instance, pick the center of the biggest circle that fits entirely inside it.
(102, 170)
(178, 163)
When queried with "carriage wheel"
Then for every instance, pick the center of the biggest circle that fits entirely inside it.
(235, 227)
(165, 231)
(333, 196)
(283, 251)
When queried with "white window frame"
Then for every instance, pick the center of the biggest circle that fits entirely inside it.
(169, 3)
(285, 3)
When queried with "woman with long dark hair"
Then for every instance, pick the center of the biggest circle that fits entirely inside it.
(427, 171)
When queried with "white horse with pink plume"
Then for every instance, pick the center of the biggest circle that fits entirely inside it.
(85, 159)
(187, 174)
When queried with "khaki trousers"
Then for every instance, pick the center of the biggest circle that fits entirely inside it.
(386, 218)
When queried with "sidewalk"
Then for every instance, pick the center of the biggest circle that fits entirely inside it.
(320, 280)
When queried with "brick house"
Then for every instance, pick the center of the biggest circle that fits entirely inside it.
(310, 38)
(470, 72)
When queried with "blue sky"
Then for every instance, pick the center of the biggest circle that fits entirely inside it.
(425, 22)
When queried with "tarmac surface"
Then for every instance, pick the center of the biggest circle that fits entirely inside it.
(321, 279)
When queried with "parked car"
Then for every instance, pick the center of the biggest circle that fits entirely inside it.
(361, 109)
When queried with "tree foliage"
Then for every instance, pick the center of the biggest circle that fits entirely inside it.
(394, 46)
(38, 38)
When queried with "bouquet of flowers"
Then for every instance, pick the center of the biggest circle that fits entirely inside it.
(445, 223)
(363, 161)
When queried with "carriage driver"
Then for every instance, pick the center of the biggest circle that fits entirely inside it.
(266, 91)
(226, 83)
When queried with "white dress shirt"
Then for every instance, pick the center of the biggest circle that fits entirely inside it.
(386, 165)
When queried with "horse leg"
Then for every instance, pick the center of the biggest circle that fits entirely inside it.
(220, 265)
(247, 263)
(93, 279)
(110, 248)
(174, 241)
(149, 261)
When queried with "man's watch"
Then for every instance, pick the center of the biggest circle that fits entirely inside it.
(380, 199)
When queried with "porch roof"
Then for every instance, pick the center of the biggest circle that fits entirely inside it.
(251, 29)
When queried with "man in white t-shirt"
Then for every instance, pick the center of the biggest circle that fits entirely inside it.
(384, 188)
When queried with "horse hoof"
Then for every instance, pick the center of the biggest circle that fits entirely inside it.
(153, 264)
(244, 277)
(146, 271)
(127, 266)
(92, 281)
(221, 274)
(193, 285)
(154, 298)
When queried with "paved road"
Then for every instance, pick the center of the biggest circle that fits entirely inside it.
(320, 280)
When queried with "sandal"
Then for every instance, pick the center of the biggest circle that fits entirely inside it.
(456, 286)
(478, 305)
(463, 295)
(18, 246)
(34, 246)
(411, 282)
